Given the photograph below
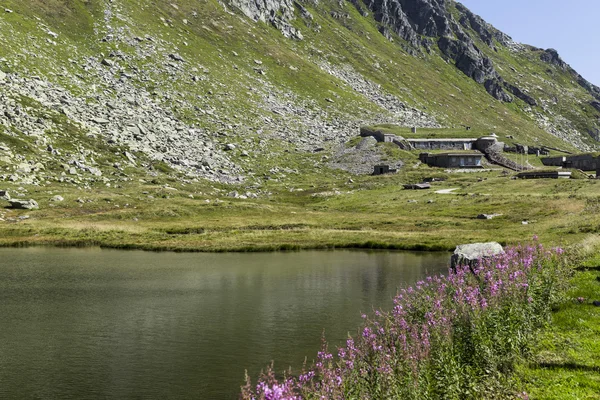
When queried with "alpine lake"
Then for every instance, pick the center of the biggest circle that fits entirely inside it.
(96, 323)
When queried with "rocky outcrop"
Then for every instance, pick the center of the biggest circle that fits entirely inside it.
(279, 13)
(521, 94)
(596, 105)
(486, 32)
(591, 88)
(494, 87)
(413, 19)
(551, 56)
(471, 61)
(265, 10)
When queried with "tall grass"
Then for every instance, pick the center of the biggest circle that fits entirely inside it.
(450, 337)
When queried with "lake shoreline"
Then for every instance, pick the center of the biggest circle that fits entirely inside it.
(255, 248)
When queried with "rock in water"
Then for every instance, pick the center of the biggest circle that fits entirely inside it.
(24, 204)
(470, 254)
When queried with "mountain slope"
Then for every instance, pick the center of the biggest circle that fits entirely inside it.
(230, 90)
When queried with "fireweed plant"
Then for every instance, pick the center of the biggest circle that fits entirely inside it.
(448, 337)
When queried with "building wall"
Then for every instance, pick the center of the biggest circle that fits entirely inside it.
(439, 161)
(466, 161)
(454, 161)
(441, 144)
(584, 162)
(553, 161)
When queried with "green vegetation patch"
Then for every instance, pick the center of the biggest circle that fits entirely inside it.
(566, 361)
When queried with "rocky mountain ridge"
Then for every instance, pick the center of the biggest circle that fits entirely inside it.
(422, 23)
(212, 91)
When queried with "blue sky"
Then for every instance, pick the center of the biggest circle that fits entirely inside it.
(571, 27)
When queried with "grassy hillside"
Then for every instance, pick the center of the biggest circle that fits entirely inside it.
(220, 47)
(281, 106)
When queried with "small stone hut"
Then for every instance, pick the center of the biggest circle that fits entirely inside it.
(383, 169)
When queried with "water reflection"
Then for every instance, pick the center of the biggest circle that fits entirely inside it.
(88, 324)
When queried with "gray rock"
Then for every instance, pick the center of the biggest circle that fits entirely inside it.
(108, 63)
(57, 199)
(130, 157)
(176, 57)
(230, 146)
(100, 121)
(4, 195)
(2, 76)
(470, 254)
(24, 204)
(94, 171)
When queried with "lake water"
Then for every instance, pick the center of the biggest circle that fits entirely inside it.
(107, 324)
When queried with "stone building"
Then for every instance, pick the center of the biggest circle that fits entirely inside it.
(442, 144)
(383, 169)
(584, 162)
(452, 160)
